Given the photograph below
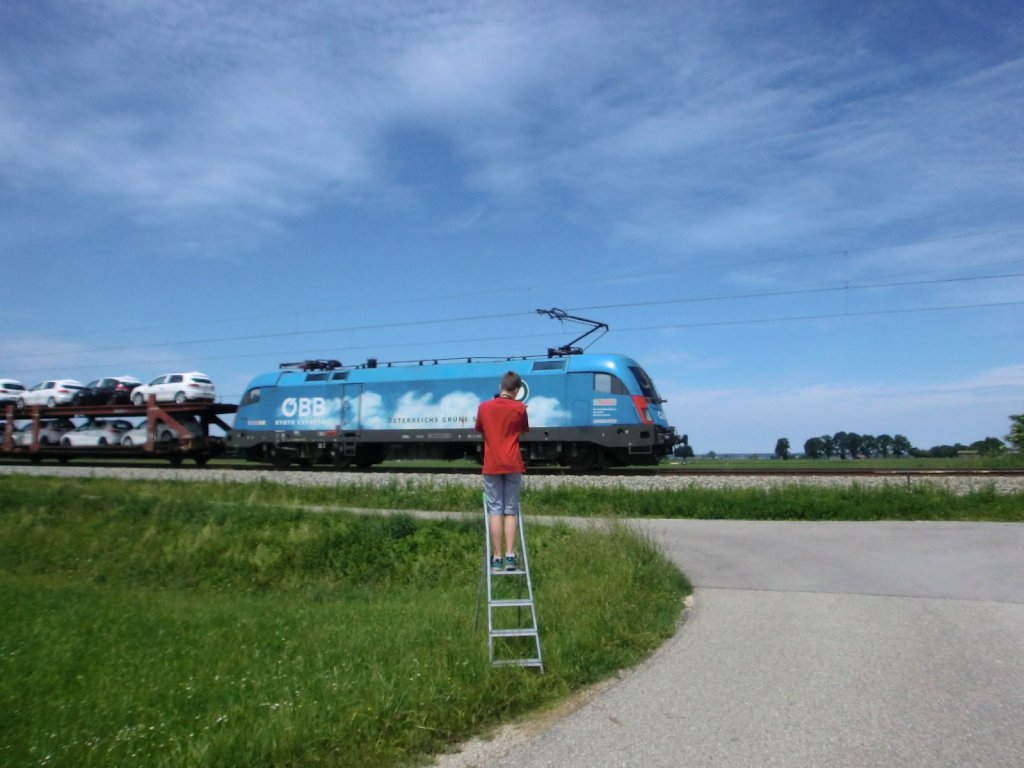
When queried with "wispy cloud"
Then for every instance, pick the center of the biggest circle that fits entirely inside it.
(698, 135)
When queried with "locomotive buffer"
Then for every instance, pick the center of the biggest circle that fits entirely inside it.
(513, 637)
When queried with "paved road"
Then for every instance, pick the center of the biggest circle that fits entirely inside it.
(817, 644)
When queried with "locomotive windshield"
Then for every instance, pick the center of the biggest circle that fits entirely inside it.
(646, 385)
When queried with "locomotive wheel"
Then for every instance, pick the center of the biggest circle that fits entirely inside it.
(367, 457)
(281, 460)
(341, 461)
(584, 460)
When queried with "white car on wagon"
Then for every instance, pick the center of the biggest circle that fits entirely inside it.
(10, 390)
(176, 388)
(50, 393)
(97, 432)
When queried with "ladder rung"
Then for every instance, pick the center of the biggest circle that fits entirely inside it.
(518, 572)
(515, 632)
(517, 663)
(523, 603)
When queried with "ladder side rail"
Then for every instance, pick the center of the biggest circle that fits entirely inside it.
(529, 590)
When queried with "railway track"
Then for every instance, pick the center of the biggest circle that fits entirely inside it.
(635, 472)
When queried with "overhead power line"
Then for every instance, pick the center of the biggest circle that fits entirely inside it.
(794, 292)
(618, 329)
(505, 315)
(757, 261)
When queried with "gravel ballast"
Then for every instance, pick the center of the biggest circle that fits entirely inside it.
(959, 484)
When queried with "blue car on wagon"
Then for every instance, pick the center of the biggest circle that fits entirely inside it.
(587, 412)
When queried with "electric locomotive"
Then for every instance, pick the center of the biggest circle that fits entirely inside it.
(586, 411)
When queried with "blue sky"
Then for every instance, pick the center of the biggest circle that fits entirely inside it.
(800, 217)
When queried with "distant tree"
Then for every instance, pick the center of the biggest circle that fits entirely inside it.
(814, 448)
(901, 446)
(852, 443)
(1016, 436)
(828, 445)
(990, 446)
(883, 444)
(683, 451)
(782, 448)
(839, 444)
(711, 455)
(868, 446)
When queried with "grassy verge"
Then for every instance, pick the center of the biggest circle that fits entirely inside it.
(171, 624)
(789, 502)
(779, 502)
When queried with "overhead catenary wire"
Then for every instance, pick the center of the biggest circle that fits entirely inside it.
(506, 315)
(618, 329)
(662, 270)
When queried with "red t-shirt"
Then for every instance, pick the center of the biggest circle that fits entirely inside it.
(501, 421)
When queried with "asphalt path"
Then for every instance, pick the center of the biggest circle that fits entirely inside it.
(815, 644)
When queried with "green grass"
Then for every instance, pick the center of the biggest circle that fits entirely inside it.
(175, 624)
(896, 501)
(789, 502)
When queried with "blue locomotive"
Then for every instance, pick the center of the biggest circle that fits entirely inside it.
(586, 411)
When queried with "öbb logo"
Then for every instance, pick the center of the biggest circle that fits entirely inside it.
(303, 407)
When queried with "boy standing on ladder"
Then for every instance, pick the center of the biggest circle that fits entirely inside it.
(501, 421)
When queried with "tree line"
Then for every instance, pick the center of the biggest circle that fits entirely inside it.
(851, 445)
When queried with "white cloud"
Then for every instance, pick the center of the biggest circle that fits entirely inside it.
(546, 412)
(688, 128)
(370, 408)
(422, 408)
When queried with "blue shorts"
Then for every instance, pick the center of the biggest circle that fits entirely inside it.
(501, 493)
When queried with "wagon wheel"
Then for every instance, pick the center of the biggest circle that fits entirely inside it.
(341, 461)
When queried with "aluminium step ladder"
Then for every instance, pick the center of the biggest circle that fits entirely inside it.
(513, 636)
